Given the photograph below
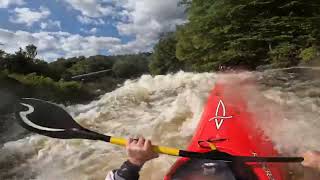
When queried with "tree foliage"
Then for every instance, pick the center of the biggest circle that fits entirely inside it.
(164, 59)
(248, 32)
(48, 89)
(31, 51)
(309, 54)
(131, 66)
(53, 81)
(2, 53)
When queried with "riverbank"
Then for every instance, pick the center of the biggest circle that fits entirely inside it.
(15, 86)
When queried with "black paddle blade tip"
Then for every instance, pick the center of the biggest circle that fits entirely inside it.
(51, 120)
(44, 118)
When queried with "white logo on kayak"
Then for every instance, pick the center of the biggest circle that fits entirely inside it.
(220, 118)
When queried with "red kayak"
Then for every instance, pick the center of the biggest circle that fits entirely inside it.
(227, 124)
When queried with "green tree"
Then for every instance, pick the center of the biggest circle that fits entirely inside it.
(130, 66)
(18, 62)
(247, 32)
(31, 51)
(60, 67)
(164, 58)
(99, 62)
(2, 53)
(3, 62)
(309, 54)
(81, 67)
(21, 53)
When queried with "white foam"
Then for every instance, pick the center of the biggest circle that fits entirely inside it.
(165, 109)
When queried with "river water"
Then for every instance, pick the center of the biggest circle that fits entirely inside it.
(166, 109)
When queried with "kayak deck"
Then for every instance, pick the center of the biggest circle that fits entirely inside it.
(227, 124)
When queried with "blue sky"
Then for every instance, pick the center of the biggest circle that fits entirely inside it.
(66, 28)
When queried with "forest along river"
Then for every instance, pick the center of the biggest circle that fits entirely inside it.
(167, 109)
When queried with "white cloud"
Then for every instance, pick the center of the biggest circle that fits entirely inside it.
(7, 3)
(92, 8)
(146, 20)
(50, 24)
(91, 31)
(29, 17)
(52, 45)
(88, 20)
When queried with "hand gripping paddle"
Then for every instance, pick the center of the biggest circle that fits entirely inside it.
(51, 120)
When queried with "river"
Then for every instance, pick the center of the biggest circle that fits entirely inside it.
(166, 109)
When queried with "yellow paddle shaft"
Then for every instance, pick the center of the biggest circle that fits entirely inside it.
(158, 149)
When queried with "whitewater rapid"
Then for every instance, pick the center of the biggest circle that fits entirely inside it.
(165, 109)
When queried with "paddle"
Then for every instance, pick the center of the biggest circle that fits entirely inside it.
(51, 120)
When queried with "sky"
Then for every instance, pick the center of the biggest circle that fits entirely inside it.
(68, 28)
